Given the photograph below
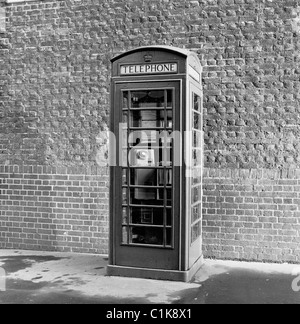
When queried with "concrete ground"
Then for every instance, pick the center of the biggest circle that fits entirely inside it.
(63, 278)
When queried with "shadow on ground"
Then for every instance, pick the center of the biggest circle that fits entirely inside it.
(243, 287)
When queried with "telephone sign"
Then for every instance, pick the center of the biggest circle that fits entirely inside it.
(148, 68)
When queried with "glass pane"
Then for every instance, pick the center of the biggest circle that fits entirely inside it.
(196, 212)
(170, 98)
(197, 121)
(197, 156)
(124, 197)
(125, 119)
(145, 196)
(161, 178)
(197, 103)
(125, 238)
(125, 215)
(164, 177)
(166, 157)
(148, 99)
(146, 118)
(165, 119)
(169, 197)
(143, 177)
(147, 235)
(196, 194)
(125, 100)
(149, 216)
(196, 231)
(197, 175)
(151, 118)
(169, 217)
(197, 139)
(169, 177)
(169, 236)
(124, 158)
(124, 177)
(160, 194)
(142, 138)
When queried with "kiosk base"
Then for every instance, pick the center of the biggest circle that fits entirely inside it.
(157, 274)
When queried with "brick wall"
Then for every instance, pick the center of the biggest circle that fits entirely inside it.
(54, 102)
(252, 214)
(56, 209)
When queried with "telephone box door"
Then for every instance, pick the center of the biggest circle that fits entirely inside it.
(146, 228)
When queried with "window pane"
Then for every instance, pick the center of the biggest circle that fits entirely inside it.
(125, 118)
(197, 103)
(168, 177)
(149, 216)
(197, 156)
(197, 139)
(124, 177)
(145, 196)
(146, 235)
(197, 121)
(125, 215)
(145, 118)
(169, 217)
(125, 235)
(196, 231)
(125, 197)
(165, 119)
(196, 194)
(143, 177)
(196, 212)
(125, 100)
(164, 177)
(197, 175)
(151, 118)
(144, 137)
(124, 158)
(169, 197)
(149, 98)
(169, 236)
(170, 98)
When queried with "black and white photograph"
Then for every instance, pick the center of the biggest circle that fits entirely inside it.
(149, 154)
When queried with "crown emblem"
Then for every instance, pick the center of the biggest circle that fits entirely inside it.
(148, 58)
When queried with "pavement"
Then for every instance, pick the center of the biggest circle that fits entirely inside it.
(30, 277)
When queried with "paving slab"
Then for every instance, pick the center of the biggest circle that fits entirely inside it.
(31, 277)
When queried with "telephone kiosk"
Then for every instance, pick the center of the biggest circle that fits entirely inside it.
(156, 183)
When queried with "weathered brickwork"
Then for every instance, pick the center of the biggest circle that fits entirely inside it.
(54, 103)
